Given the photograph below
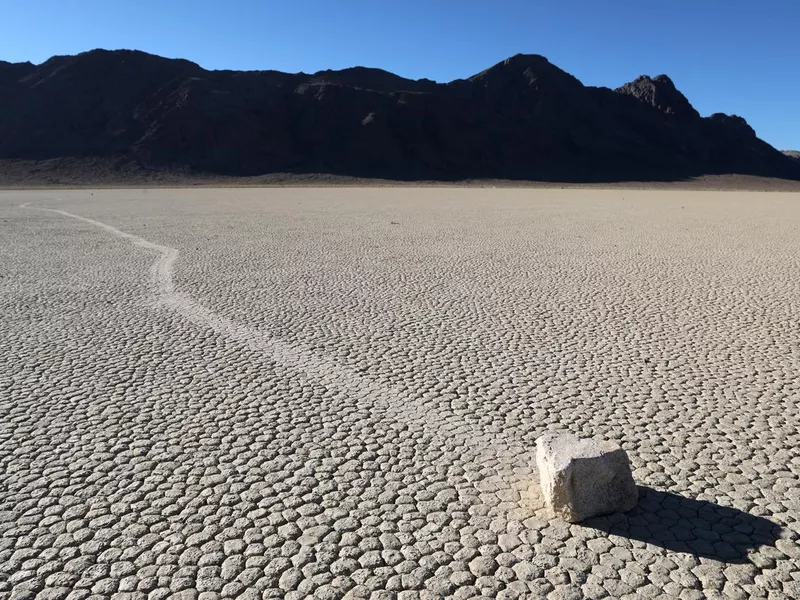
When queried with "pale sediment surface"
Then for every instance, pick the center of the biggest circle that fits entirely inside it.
(336, 392)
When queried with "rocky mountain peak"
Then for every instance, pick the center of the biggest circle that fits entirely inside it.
(528, 69)
(734, 124)
(373, 79)
(660, 93)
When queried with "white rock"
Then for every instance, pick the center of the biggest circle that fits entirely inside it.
(584, 478)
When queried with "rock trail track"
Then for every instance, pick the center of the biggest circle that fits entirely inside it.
(395, 405)
(335, 393)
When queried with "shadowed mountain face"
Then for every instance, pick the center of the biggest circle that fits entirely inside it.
(524, 118)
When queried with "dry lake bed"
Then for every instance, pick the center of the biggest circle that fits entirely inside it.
(335, 393)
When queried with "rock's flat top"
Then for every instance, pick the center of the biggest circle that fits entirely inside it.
(299, 392)
(564, 447)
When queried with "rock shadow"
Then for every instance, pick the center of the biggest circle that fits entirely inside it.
(690, 526)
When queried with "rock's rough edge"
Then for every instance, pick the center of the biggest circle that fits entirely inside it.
(558, 456)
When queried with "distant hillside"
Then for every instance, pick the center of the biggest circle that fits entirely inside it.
(792, 153)
(523, 118)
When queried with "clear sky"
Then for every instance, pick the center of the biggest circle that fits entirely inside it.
(734, 56)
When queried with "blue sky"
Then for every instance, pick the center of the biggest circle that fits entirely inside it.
(735, 56)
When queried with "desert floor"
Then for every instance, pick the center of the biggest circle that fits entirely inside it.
(336, 392)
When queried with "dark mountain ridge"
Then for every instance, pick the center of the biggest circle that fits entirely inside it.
(523, 118)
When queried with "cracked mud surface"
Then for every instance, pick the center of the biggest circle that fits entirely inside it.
(335, 393)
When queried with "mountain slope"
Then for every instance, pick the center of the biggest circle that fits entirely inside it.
(523, 118)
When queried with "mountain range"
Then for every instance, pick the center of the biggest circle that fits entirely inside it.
(522, 119)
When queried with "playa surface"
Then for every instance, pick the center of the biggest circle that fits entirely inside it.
(331, 393)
